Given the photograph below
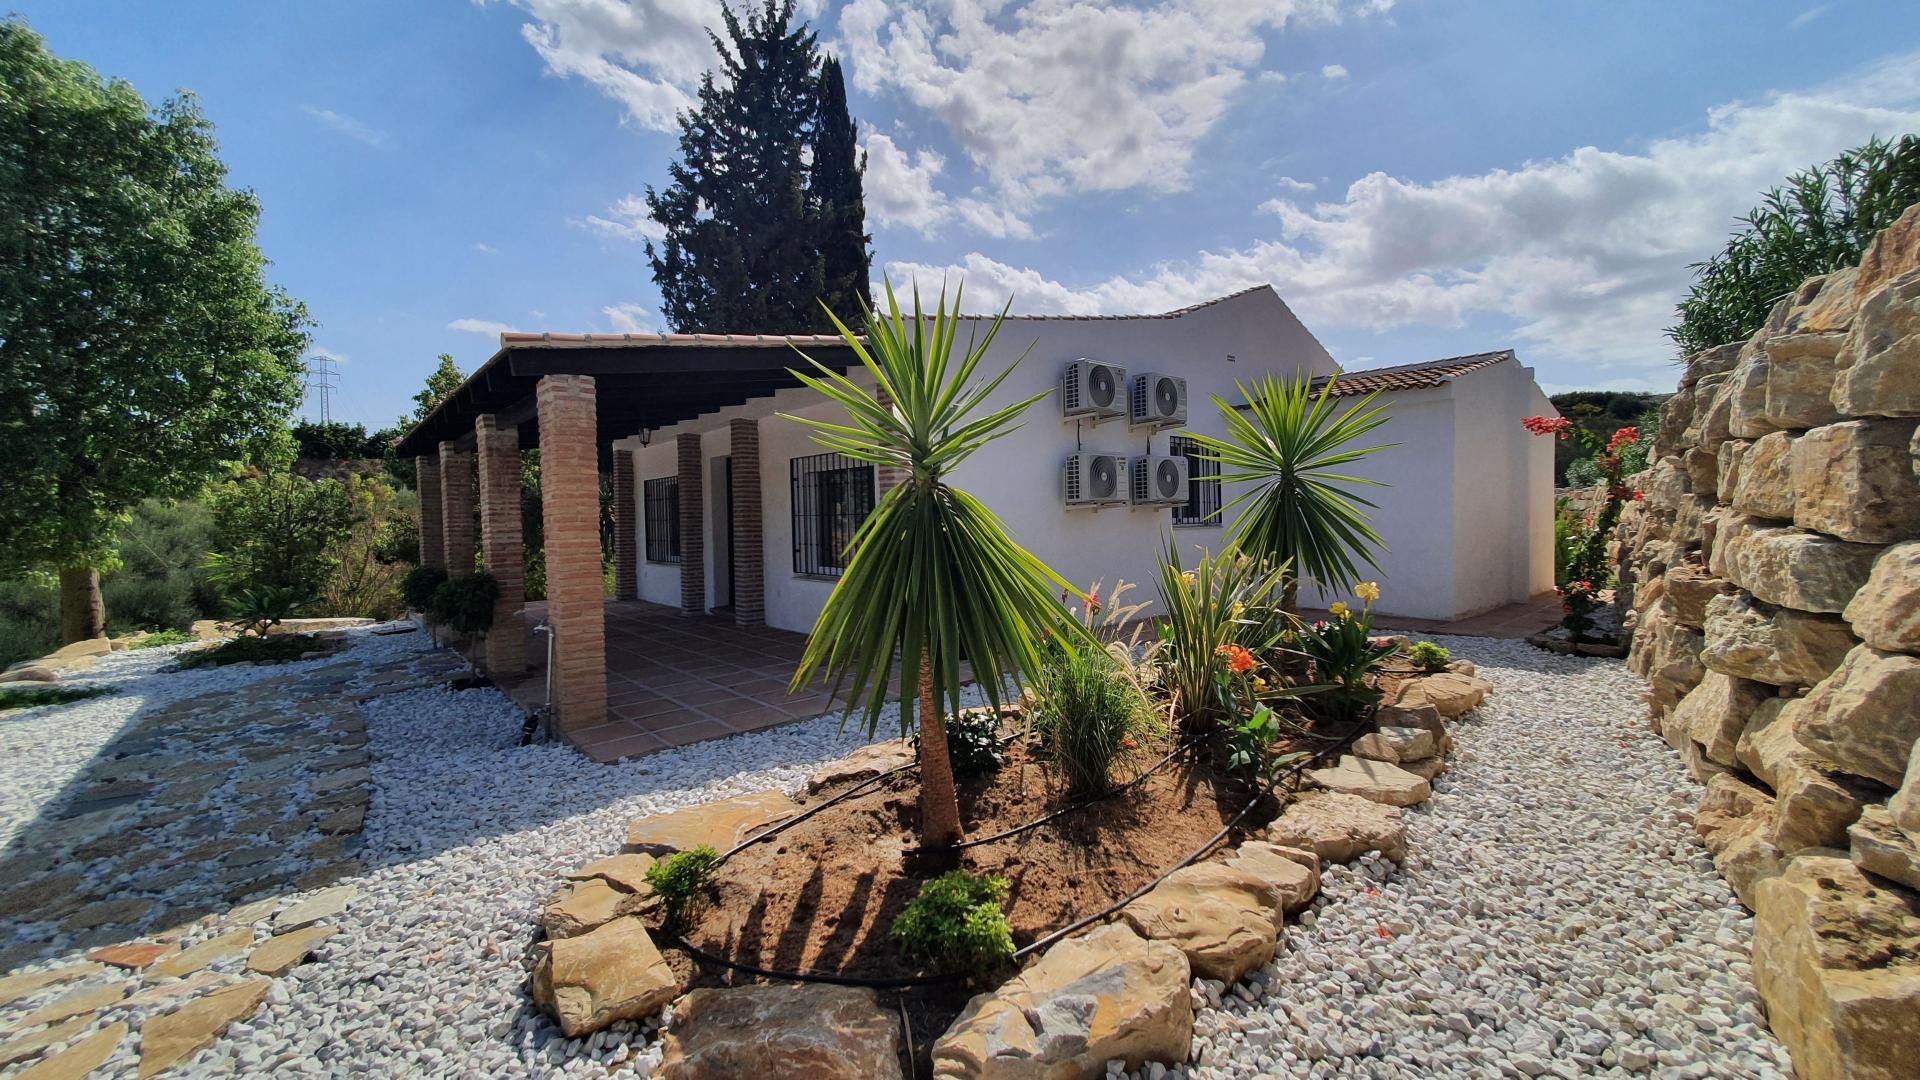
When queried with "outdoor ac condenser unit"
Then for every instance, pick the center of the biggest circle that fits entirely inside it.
(1095, 479)
(1092, 390)
(1159, 401)
(1160, 480)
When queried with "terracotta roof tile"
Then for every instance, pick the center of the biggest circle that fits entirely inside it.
(1411, 376)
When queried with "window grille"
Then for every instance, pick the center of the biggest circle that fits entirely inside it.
(1203, 484)
(663, 519)
(832, 495)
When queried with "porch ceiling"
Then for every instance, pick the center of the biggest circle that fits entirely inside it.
(641, 381)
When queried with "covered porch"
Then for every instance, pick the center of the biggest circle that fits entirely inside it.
(628, 677)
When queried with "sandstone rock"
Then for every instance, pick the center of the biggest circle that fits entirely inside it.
(628, 871)
(131, 956)
(1421, 716)
(1340, 828)
(1375, 781)
(1728, 465)
(1716, 712)
(80, 1059)
(1293, 871)
(1814, 801)
(1702, 468)
(1800, 368)
(1108, 994)
(26, 1046)
(1892, 254)
(90, 647)
(170, 1039)
(325, 904)
(1778, 646)
(611, 973)
(1392, 743)
(1879, 366)
(719, 824)
(1886, 610)
(806, 1032)
(1690, 588)
(1450, 693)
(1225, 919)
(87, 999)
(1879, 847)
(190, 960)
(1833, 308)
(1747, 392)
(1835, 961)
(1714, 409)
(865, 763)
(586, 904)
(1425, 768)
(30, 673)
(1717, 360)
(1905, 804)
(1765, 489)
(1791, 568)
(1863, 717)
(1736, 820)
(1667, 654)
(15, 987)
(1855, 480)
(282, 953)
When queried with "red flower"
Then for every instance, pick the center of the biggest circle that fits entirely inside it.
(1548, 425)
(1239, 660)
(1639, 496)
(1093, 602)
(1626, 436)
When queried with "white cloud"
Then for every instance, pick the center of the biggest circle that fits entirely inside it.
(1581, 256)
(646, 55)
(479, 326)
(1071, 95)
(627, 219)
(345, 125)
(485, 248)
(1288, 183)
(1333, 71)
(1808, 16)
(321, 352)
(628, 318)
(899, 188)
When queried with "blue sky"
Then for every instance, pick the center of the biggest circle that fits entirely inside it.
(1418, 178)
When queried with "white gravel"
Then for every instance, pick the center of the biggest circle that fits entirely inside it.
(1555, 916)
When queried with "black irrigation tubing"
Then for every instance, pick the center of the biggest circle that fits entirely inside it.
(903, 982)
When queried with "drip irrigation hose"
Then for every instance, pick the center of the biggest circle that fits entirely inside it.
(903, 982)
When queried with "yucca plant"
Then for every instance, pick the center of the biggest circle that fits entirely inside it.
(1223, 603)
(1302, 513)
(931, 577)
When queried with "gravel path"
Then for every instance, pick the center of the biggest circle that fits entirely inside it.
(1555, 916)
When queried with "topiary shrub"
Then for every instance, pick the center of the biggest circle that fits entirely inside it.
(418, 586)
(958, 923)
(678, 879)
(1429, 657)
(465, 604)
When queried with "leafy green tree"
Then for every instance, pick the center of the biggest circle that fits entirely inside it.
(1821, 220)
(278, 533)
(755, 237)
(446, 378)
(140, 345)
(931, 577)
(1302, 512)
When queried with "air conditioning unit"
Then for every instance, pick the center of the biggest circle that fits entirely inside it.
(1092, 390)
(1096, 479)
(1160, 480)
(1159, 401)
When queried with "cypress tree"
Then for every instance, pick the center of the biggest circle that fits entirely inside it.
(746, 234)
(838, 198)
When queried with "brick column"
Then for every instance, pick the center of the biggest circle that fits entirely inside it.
(456, 508)
(433, 550)
(626, 529)
(693, 546)
(501, 549)
(570, 510)
(749, 550)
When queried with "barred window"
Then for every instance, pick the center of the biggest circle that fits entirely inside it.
(663, 519)
(1203, 484)
(832, 495)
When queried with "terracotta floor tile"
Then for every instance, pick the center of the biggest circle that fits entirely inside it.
(697, 731)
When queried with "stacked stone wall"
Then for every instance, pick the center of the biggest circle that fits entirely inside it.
(1773, 575)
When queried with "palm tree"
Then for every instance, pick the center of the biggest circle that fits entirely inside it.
(931, 577)
(1301, 515)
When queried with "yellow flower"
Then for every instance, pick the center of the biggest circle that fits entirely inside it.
(1239, 609)
(1187, 579)
(1339, 609)
(1368, 591)
(1259, 683)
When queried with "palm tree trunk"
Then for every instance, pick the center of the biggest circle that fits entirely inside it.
(82, 613)
(939, 807)
(1290, 594)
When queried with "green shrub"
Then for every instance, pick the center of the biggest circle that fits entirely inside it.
(277, 649)
(277, 535)
(465, 604)
(29, 618)
(973, 743)
(162, 638)
(678, 879)
(1344, 654)
(958, 923)
(1226, 600)
(1429, 657)
(20, 696)
(162, 580)
(1253, 748)
(1089, 716)
(365, 577)
(419, 584)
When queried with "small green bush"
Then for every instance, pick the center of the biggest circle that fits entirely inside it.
(160, 639)
(465, 604)
(27, 697)
(678, 879)
(419, 584)
(973, 743)
(958, 923)
(1089, 717)
(277, 649)
(1429, 657)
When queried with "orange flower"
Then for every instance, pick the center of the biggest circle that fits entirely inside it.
(1239, 660)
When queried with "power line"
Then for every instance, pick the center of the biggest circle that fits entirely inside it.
(320, 378)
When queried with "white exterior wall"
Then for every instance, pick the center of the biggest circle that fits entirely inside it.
(1444, 516)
